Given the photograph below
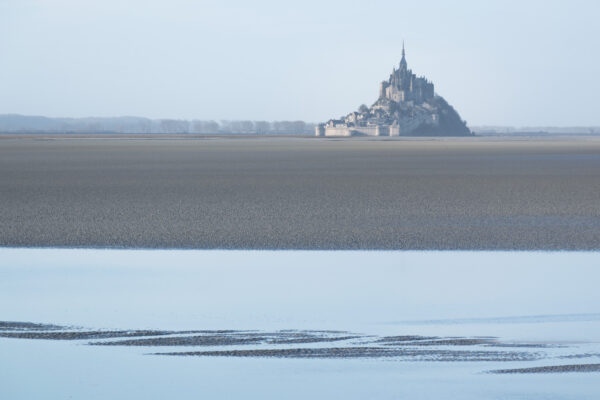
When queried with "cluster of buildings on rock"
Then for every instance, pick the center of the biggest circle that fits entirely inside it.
(406, 105)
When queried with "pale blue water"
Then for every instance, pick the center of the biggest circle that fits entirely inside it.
(520, 296)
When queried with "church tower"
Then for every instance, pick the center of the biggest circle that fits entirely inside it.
(403, 65)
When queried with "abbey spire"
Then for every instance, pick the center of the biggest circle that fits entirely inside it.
(403, 64)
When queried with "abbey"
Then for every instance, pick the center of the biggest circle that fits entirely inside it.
(407, 106)
(403, 85)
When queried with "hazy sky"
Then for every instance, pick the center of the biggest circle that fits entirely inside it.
(498, 62)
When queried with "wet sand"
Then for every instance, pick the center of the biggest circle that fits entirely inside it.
(368, 352)
(551, 369)
(343, 344)
(300, 193)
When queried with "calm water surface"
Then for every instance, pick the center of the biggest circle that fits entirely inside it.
(525, 297)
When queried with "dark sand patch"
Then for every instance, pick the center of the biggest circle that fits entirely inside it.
(527, 345)
(221, 340)
(368, 352)
(403, 339)
(309, 339)
(405, 347)
(80, 335)
(579, 356)
(27, 326)
(551, 369)
(452, 342)
(274, 338)
(29, 330)
(437, 341)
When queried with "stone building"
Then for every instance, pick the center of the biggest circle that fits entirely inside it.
(403, 85)
(407, 105)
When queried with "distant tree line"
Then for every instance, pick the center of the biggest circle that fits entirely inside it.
(21, 123)
(251, 127)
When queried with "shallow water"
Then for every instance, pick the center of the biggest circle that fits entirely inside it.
(543, 299)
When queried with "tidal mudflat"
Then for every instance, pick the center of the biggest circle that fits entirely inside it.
(124, 324)
(300, 193)
(282, 344)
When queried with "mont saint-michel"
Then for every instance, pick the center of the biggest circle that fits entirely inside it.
(407, 106)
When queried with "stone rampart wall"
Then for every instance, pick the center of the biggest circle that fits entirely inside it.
(357, 131)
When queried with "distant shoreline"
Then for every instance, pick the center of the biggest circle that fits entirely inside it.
(144, 135)
(130, 125)
(117, 135)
